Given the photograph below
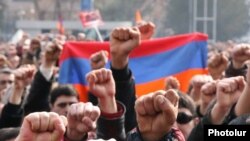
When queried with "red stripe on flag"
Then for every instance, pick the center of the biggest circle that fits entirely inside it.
(82, 49)
(150, 47)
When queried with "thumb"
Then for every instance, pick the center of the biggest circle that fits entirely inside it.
(91, 79)
(172, 96)
(135, 33)
(161, 103)
(241, 82)
(224, 58)
(168, 109)
(60, 128)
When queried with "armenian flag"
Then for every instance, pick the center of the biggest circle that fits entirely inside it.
(181, 56)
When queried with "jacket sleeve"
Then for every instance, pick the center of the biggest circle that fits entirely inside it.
(173, 135)
(197, 134)
(231, 71)
(38, 98)
(112, 125)
(11, 116)
(125, 93)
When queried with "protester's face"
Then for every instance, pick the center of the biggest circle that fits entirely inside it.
(62, 104)
(6, 80)
(35, 45)
(185, 121)
(15, 61)
(26, 48)
(11, 51)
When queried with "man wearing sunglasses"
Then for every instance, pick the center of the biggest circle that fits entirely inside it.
(186, 118)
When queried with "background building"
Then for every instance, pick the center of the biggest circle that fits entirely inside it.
(42, 16)
(222, 20)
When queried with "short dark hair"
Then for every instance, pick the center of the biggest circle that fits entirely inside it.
(185, 101)
(9, 133)
(62, 90)
(6, 71)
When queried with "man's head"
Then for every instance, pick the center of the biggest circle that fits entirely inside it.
(6, 78)
(186, 119)
(81, 37)
(61, 97)
(11, 50)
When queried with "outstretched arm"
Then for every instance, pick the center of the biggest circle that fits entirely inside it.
(38, 98)
(102, 85)
(123, 42)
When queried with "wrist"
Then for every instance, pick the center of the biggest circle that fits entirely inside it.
(152, 136)
(247, 86)
(237, 65)
(203, 108)
(119, 61)
(195, 94)
(75, 136)
(16, 97)
(108, 105)
(156, 135)
(217, 76)
(18, 138)
(218, 113)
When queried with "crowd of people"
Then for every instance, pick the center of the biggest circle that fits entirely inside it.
(35, 107)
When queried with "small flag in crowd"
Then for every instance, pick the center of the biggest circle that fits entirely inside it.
(138, 16)
(91, 18)
(181, 56)
(60, 26)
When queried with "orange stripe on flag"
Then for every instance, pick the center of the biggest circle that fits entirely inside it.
(142, 89)
(82, 91)
(183, 77)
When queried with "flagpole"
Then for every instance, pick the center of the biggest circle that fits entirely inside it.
(98, 33)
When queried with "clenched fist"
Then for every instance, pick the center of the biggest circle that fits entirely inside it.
(42, 126)
(123, 41)
(156, 113)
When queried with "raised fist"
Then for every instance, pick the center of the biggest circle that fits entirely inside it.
(42, 126)
(99, 59)
(82, 118)
(156, 113)
(123, 41)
